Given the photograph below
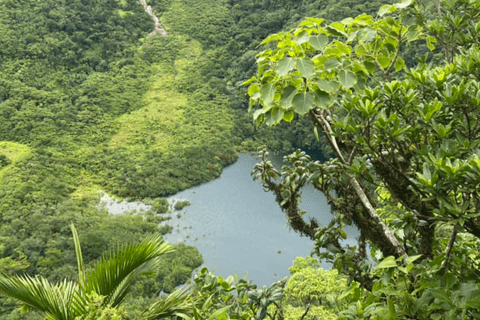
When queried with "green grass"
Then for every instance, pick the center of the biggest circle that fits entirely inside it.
(15, 152)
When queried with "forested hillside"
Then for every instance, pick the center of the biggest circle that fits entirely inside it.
(89, 101)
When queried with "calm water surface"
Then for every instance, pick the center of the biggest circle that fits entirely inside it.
(239, 228)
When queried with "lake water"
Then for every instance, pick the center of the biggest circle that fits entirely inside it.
(238, 227)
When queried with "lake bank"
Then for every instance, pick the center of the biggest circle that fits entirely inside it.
(238, 227)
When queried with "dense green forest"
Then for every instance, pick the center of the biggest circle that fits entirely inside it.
(91, 102)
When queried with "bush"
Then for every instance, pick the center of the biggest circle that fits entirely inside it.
(181, 204)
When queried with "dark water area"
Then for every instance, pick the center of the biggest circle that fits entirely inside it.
(240, 229)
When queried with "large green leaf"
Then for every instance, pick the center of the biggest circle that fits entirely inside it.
(347, 78)
(287, 96)
(388, 262)
(403, 4)
(277, 114)
(56, 301)
(253, 88)
(306, 67)
(319, 42)
(399, 64)
(321, 99)
(329, 86)
(302, 37)
(257, 113)
(113, 275)
(303, 103)
(384, 61)
(269, 121)
(331, 64)
(284, 66)
(177, 304)
(267, 93)
(387, 8)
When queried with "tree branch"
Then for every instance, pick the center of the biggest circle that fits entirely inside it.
(443, 268)
(320, 121)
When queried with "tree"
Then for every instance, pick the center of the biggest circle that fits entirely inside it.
(99, 290)
(406, 169)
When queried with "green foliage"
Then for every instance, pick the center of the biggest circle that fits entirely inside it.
(98, 291)
(97, 311)
(4, 161)
(314, 285)
(160, 205)
(406, 146)
(313, 292)
(181, 204)
(88, 102)
(234, 298)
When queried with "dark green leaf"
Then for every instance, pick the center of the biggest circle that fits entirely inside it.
(321, 99)
(287, 96)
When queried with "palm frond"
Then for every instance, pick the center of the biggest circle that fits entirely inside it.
(177, 304)
(78, 252)
(113, 274)
(56, 301)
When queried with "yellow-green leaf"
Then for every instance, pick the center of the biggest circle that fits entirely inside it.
(431, 43)
(388, 262)
(288, 116)
(384, 61)
(399, 64)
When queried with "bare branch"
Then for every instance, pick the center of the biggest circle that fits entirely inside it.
(320, 121)
(449, 248)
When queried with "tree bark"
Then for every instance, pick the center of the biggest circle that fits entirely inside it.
(396, 247)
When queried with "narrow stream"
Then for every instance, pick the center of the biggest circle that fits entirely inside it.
(238, 227)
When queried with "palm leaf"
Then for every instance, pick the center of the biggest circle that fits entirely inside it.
(114, 273)
(78, 252)
(178, 304)
(58, 302)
